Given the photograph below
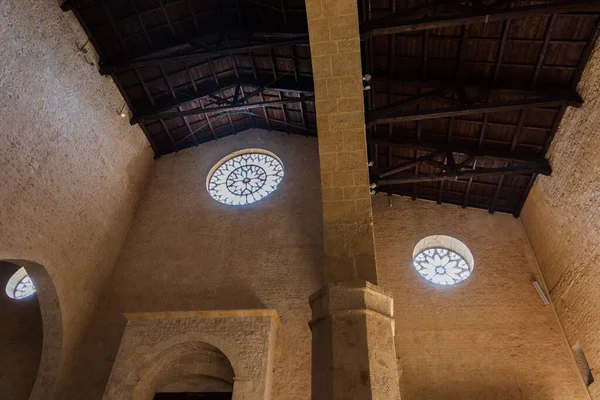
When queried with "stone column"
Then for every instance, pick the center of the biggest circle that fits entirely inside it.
(354, 355)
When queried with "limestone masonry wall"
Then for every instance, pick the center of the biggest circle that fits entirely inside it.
(562, 221)
(187, 252)
(488, 337)
(71, 169)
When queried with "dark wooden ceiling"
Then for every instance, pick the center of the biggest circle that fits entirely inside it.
(464, 100)
(466, 96)
(197, 70)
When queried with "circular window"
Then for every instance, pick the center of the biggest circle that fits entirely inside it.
(245, 177)
(443, 260)
(20, 285)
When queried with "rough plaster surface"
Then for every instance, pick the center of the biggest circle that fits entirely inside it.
(563, 224)
(487, 336)
(232, 345)
(71, 168)
(187, 252)
(20, 340)
(562, 221)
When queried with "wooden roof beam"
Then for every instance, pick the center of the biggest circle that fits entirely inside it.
(283, 84)
(470, 151)
(138, 62)
(224, 109)
(526, 169)
(517, 88)
(551, 99)
(396, 24)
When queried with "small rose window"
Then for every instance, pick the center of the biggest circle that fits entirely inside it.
(20, 285)
(443, 260)
(245, 177)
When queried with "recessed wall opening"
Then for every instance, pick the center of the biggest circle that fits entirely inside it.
(582, 364)
(192, 371)
(20, 335)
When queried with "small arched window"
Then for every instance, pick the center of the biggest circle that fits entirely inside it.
(443, 260)
(20, 285)
(245, 177)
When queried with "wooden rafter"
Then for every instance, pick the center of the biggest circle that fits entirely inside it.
(226, 109)
(210, 89)
(525, 169)
(392, 113)
(195, 54)
(475, 152)
(475, 15)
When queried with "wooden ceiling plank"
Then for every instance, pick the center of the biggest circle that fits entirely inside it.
(114, 26)
(274, 68)
(250, 115)
(168, 132)
(465, 201)
(518, 129)
(141, 22)
(415, 187)
(167, 18)
(501, 48)
(267, 119)
(519, 207)
(477, 15)
(193, 11)
(536, 71)
(212, 129)
(497, 194)
(587, 53)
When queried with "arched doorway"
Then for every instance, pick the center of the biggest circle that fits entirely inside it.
(166, 352)
(187, 371)
(31, 333)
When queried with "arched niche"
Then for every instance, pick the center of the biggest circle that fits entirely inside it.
(51, 321)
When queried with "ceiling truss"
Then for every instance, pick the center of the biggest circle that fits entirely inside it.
(443, 14)
(497, 128)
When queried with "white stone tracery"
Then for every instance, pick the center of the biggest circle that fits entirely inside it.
(20, 285)
(443, 260)
(245, 178)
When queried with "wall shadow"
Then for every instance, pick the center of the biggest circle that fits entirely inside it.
(50, 358)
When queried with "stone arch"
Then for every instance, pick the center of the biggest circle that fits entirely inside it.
(179, 361)
(50, 359)
(151, 341)
(217, 342)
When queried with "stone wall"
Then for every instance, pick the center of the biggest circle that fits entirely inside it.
(187, 252)
(20, 340)
(488, 337)
(563, 224)
(71, 168)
